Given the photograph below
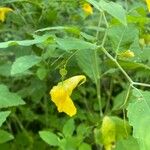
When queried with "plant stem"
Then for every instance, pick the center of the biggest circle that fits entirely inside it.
(117, 64)
(141, 84)
(98, 82)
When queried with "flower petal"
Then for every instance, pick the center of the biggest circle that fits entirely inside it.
(60, 94)
(3, 11)
(148, 4)
(68, 107)
(70, 84)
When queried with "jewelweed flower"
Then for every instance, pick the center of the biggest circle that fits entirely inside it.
(87, 8)
(148, 4)
(3, 12)
(127, 54)
(60, 94)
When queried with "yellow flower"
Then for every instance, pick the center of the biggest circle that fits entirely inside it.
(3, 12)
(61, 93)
(127, 54)
(148, 4)
(87, 8)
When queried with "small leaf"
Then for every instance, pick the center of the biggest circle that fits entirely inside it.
(8, 99)
(24, 63)
(85, 146)
(69, 128)
(41, 73)
(5, 136)
(3, 116)
(49, 137)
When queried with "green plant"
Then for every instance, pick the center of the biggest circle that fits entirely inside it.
(44, 43)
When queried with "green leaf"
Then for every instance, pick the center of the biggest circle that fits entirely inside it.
(71, 143)
(69, 128)
(23, 63)
(5, 69)
(89, 63)
(115, 10)
(3, 116)
(127, 144)
(49, 138)
(139, 117)
(85, 146)
(8, 99)
(123, 35)
(113, 129)
(5, 136)
(37, 40)
(74, 44)
(41, 72)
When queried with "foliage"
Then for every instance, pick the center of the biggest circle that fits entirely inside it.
(47, 48)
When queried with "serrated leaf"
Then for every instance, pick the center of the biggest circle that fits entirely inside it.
(3, 116)
(23, 63)
(5, 136)
(69, 128)
(89, 63)
(115, 10)
(139, 117)
(8, 99)
(49, 137)
(74, 44)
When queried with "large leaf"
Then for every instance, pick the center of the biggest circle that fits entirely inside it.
(123, 35)
(3, 116)
(139, 117)
(5, 136)
(74, 44)
(114, 10)
(8, 99)
(89, 62)
(49, 138)
(127, 144)
(37, 40)
(24, 63)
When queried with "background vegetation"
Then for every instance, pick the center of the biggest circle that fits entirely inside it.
(46, 41)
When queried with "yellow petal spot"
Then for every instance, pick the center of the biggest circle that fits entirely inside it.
(61, 93)
(148, 4)
(87, 8)
(127, 54)
(3, 12)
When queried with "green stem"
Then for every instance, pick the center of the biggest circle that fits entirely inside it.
(127, 96)
(117, 64)
(98, 82)
(141, 84)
